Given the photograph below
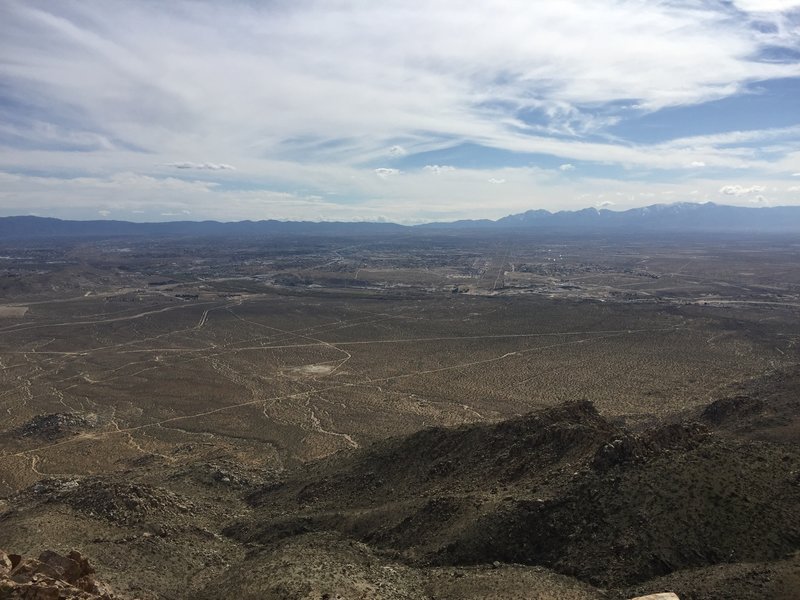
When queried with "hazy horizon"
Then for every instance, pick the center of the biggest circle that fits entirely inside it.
(384, 221)
(356, 111)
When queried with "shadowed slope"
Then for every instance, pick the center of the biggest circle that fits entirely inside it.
(562, 488)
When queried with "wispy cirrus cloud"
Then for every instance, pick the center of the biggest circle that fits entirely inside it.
(105, 88)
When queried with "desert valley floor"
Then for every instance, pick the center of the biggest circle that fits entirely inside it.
(393, 418)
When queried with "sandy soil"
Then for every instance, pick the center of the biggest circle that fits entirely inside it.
(11, 311)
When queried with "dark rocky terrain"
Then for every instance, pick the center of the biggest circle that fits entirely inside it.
(55, 426)
(561, 498)
(50, 577)
(562, 488)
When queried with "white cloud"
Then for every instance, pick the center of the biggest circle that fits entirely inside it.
(104, 213)
(696, 164)
(384, 172)
(566, 167)
(397, 151)
(495, 180)
(606, 204)
(794, 188)
(766, 5)
(437, 169)
(202, 166)
(738, 190)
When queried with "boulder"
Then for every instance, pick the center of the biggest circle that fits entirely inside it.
(5, 564)
(52, 576)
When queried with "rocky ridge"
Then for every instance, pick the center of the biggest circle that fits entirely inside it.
(50, 577)
(561, 502)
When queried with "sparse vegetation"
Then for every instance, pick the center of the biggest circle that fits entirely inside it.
(207, 409)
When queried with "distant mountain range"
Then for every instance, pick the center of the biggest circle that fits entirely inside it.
(679, 217)
(682, 216)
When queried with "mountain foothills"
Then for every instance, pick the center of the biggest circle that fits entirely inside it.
(683, 216)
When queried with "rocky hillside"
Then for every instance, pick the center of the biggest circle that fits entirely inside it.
(562, 488)
(50, 577)
(559, 503)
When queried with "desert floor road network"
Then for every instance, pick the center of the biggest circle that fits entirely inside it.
(447, 415)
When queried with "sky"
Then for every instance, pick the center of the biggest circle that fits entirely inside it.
(394, 111)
